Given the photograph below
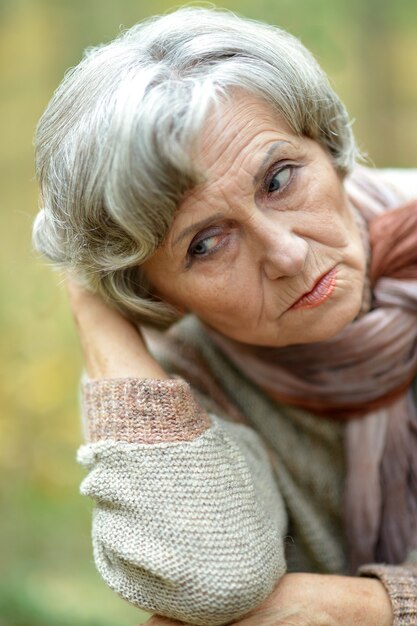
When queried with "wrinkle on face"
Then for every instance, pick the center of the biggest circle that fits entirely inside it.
(229, 290)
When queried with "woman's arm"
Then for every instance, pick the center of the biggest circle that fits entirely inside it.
(188, 522)
(317, 600)
(213, 550)
(112, 346)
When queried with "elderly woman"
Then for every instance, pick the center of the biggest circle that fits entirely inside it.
(198, 173)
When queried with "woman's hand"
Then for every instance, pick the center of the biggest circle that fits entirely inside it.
(112, 346)
(317, 600)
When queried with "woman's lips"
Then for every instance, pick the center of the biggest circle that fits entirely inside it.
(322, 290)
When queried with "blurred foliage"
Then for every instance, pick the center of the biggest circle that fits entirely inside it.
(368, 48)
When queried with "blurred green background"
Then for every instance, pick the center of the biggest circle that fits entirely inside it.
(368, 48)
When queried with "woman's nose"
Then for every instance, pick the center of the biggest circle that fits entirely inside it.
(283, 253)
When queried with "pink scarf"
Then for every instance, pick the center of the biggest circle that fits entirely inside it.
(365, 373)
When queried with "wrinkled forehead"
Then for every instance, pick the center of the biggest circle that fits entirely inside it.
(238, 138)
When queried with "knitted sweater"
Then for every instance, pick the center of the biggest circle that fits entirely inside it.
(206, 491)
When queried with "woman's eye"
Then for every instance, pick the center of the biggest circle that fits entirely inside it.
(279, 179)
(208, 244)
(204, 246)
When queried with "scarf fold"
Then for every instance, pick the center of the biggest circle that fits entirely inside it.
(363, 376)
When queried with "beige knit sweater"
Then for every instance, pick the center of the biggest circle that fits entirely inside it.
(204, 498)
(188, 519)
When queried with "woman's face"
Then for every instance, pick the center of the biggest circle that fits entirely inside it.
(266, 250)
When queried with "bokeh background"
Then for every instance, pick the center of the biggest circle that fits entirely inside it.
(368, 48)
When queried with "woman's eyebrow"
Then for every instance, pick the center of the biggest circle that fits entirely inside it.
(271, 150)
(197, 226)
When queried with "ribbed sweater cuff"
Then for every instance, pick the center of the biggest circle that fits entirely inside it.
(401, 585)
(136, 410)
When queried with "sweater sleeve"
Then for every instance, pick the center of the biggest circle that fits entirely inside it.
(188, 522)
(400, 582)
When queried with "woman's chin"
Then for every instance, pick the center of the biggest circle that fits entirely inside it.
(312, 326)
(324, 325)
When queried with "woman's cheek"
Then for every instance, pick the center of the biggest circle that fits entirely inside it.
(207, 295)
(213, 284)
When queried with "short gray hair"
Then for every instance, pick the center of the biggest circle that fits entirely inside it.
(113, 148)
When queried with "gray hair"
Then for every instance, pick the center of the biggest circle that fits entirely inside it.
(114, 146)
